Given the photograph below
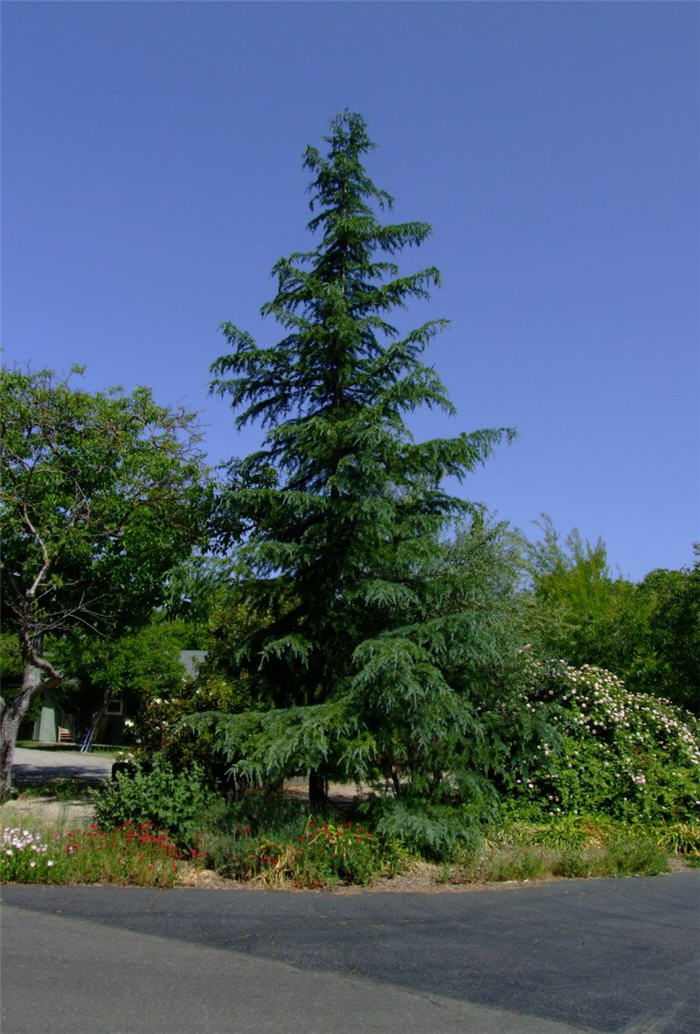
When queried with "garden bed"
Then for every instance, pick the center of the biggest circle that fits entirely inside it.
(52, 816)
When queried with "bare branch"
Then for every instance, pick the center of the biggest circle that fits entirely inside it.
(46, 566)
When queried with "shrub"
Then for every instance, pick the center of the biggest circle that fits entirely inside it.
(159, 727)
(433, 831)
(162, 798)
(630, 756)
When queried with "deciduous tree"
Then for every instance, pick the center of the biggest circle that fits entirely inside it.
(101, 494)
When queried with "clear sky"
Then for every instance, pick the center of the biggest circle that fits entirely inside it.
(152, 176)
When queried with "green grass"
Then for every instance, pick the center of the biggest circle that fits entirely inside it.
(570, 847)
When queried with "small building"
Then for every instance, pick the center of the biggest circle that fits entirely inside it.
(56, 724)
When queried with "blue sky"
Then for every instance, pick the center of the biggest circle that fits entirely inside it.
(152, 176)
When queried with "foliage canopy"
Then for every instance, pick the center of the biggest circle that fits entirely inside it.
(646, 633)
(101, 494)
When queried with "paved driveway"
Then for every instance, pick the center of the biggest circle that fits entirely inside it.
(614, 956)
(32, 766)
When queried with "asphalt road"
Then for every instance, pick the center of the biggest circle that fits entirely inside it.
(597, 955)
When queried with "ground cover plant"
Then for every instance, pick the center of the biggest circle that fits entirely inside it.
(61, 789)
(138, 855)
(570, 846)
(273, 840)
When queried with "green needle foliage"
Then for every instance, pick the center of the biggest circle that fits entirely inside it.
(362, 648)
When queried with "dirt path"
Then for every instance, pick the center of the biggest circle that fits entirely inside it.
(46, 813)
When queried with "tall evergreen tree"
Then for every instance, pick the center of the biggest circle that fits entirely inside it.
(357, 638)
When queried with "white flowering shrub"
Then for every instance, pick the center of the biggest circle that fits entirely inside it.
(631, 756)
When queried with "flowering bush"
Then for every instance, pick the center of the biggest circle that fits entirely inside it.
(331, 851)
(631, 756)
(139, 855)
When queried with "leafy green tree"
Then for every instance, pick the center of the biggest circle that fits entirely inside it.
(358, 652)
(669, 665)
(579, 612)
(100, 496)
(137, 666)
(194, 589)
(647, 633)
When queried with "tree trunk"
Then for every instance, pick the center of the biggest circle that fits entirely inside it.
(318, 790)
(11, 716)
(9, 724)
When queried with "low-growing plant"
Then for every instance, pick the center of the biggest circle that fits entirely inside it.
(501, 864)
(564, 832)
(634, 856)
(260, 813)
(275, 842)
(432, 831)
(136, 855)
(161, 797)
(24, 856)
(62, 788)
(568, 846)
(329, 852)
(679, 838)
